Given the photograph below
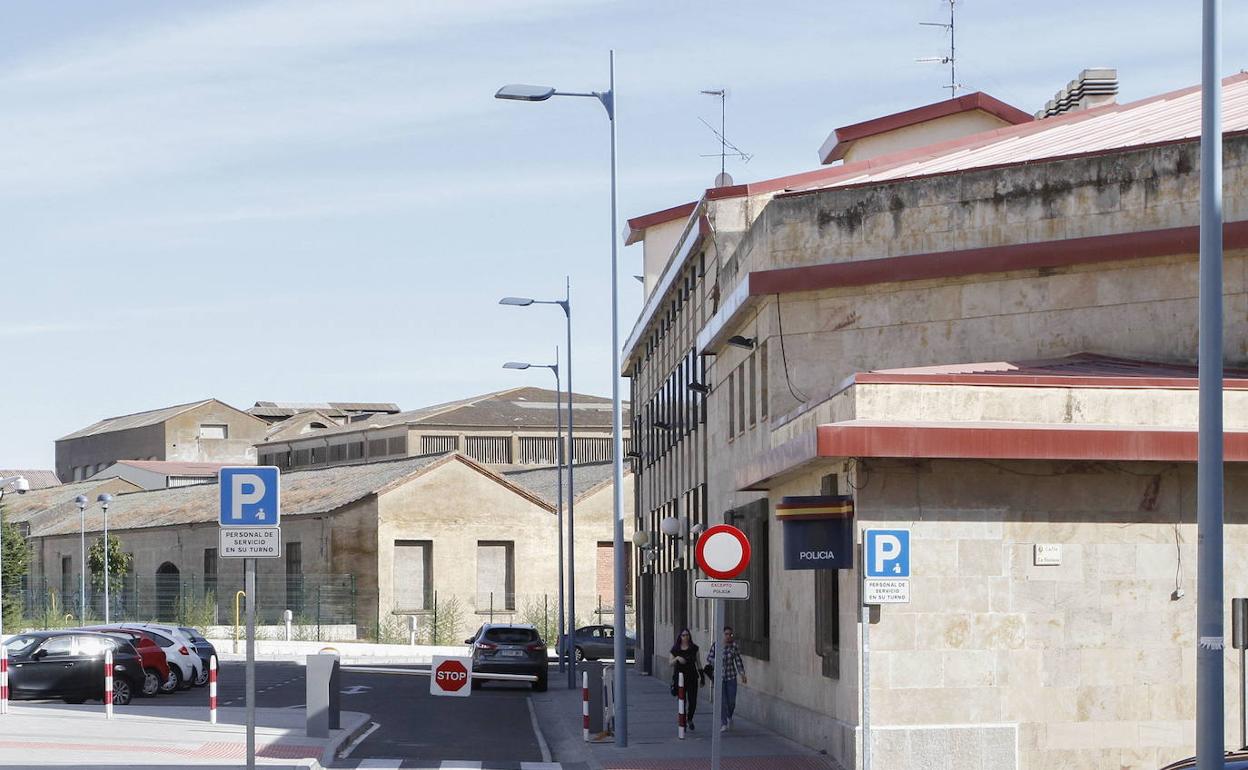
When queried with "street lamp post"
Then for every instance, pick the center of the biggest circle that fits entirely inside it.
(566, 305)
(81, 501)
(104, 499)
(564, 645)
(530, 93)
(21, 486)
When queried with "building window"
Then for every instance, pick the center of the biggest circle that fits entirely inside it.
(67, 581)
(762, 380)
(337, 453)
(376, 447)
(294, 577)
(412, 571)
(751, 618)
(303, 457)
(214, 431)
(77, 473)
(437, 445)
(496, 575)
(398, 445)
(355, 450)
(753, 388)
(828, 605)
(741, 398)
(210, 571)
(489, 449)
(732, 406)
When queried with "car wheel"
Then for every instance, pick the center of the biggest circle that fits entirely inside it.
(580, 654)
(540, 684)
(121, 692)
(151, 683)
(173, 682)
(201, 678)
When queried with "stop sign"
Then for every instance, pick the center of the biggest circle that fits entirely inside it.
(451, 676)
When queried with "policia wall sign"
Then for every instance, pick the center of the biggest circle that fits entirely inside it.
(818, 532)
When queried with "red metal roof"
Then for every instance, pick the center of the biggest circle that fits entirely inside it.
(842, 139)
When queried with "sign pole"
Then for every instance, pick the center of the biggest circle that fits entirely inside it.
(866, 664)
(249, 569)
(717, 712)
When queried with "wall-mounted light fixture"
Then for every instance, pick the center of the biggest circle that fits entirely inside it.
(742, 342)
(698, 387)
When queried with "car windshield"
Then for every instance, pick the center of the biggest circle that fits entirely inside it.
(160, 639)
(20, 644)
(511, 635)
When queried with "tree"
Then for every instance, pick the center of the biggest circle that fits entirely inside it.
(15, 552)
(119, 564)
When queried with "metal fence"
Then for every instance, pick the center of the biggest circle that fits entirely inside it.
(450, 616)
(189, 599)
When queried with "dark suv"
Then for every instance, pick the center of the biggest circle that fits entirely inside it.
(70, 665)
(501, 648)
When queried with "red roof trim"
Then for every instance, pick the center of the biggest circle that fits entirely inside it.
(991, 259)
(637, 226)
(1023, 442)
(845, 136)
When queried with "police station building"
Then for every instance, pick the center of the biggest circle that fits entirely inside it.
(948, 392)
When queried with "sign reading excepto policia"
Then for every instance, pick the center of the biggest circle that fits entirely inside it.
(818, 532)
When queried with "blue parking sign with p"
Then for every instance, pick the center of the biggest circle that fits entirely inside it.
(887, 553)
(250, 496)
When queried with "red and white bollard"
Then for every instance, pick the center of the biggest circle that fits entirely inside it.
(585, 704)
(108, 683)
(680, 706)
(4, 679)
(212, 690)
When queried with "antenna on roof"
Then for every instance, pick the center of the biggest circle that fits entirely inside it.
(951, 60)
(726, 147)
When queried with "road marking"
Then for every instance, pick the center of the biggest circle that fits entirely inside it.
(359, 739)
(380, 763)
(540, 766)
(537, 730)
(449, 763)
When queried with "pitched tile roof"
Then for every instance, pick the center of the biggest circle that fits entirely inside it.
(136, 420)
(39, 479)
(303, 492)
(19, 508)
(544, 481)
(524, 407)
(173, 467)
(335, 408)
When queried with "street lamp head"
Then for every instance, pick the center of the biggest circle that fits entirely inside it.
(81, 501)
(21, 485)
(516, 365)
(104, 499)
(525, 93)
(517, 301)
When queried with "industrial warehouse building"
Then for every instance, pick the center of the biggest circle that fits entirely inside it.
(363, 545)
(986, 339)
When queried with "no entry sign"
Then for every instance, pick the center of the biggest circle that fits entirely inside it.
(451, 676)
(723, 552)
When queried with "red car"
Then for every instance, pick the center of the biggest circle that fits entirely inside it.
(156, 674)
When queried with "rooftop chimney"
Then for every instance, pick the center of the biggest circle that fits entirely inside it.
(1094, 87)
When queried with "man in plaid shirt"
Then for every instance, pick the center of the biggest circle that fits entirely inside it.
(734, 665)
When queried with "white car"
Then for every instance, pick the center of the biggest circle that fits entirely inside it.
(184, 662)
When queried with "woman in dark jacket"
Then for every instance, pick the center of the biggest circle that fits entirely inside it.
(685, 661)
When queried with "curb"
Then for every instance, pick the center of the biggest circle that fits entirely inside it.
(331, 751)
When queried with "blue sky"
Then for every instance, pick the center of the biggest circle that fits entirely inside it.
(299, 200)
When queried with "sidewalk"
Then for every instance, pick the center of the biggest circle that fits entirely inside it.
(652, 740)
(41, 735)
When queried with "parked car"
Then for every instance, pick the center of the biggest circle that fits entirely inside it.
(157, 677)
(596, 642)
(1235, 760)
(203, 648)
(504, 648)
(182, 652)
(70, 665)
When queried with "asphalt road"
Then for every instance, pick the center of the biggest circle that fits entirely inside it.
(492, 725)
